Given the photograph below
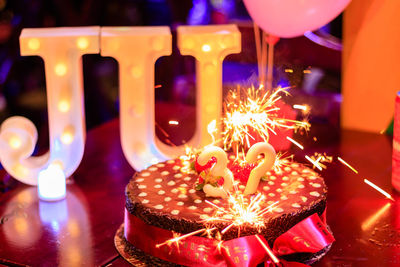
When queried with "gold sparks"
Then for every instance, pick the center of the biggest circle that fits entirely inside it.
(187, 159)
(320, 158)
(281, 161)
(348, 165)
(178, 237)
(241, 211)
(371, 220)
(377, 188)
(295, 142)
(211, 129)
(314, 163)
(254, 112)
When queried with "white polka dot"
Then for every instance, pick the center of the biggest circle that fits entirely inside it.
(167, 199)
(300, 179)
(164, 173)
(284, 184)
(303, 198)
(306, 171)
(171, 161)
(160, 165)
(159, 207)
(272, 177)
(178, 175)
(192, 191)
(295, 173)
(207, 209)
(192, 207)
(288, 169)
(145, 174)
(279, 210)
(143, 194)
(293, 192)
(153, 169)
(187, 179)
(295, 165)
(139, 180)
(279, 190)
(271, 183)
(171, 183)
(266, 188)
(174, 212)
(295, 205)
(270, 202)
(182, 196)
(198, 201)
(204, 216)
(284, 197)
(316, 185)
(268, 173)
(231, 157)
(145, 201)
(300, 186)
(142, 186)
(161, 192)
(183, 185)
(216, 201)
(315, 194)
(158, 180)
(157, 186)
(312, 177)
(271, 194)
(180, 203)
(175, 190)
(285, 178)
(175, 168)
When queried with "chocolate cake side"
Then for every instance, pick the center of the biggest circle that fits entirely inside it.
(162, 196)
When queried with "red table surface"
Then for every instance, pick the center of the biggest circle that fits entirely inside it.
(80, 230)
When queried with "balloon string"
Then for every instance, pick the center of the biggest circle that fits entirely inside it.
(263, 57)
(270, 68)
(258, 49)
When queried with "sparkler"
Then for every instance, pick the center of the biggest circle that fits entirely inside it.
(314, 162)
(178, 237)
(380, 190)
(254, 112)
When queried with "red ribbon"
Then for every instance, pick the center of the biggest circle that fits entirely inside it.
(309, 235)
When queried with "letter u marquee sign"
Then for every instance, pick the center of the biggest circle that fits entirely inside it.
(136, 49)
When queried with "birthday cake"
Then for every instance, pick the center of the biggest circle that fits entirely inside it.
(165, 201)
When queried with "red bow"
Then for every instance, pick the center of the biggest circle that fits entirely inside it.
(309, 235)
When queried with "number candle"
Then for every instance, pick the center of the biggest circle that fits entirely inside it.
(266, 164)
(218, 169)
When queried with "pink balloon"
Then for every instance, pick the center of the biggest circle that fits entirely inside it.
(291, 18)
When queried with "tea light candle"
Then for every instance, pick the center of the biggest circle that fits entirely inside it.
(51, 184)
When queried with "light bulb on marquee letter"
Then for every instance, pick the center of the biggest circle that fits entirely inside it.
(136, 49)
(61, 50)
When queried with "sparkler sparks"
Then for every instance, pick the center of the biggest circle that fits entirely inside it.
(281, 161)
(380, 190)
(178, 237)
(190, 155)
(241, 211)
(268, 250)
(348, 165)
(254, 112)
(314, 163)
(295, 142)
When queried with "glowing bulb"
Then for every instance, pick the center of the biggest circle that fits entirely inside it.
(60, 69)
(82, 43)
(63, 106)
(136, 72)
(34, 44)
(51, 184)
(15, 142)
(67, 137)
(206, 48)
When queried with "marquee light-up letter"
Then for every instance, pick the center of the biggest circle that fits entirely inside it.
(61, 50)
(209, 45)
(137, 49)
